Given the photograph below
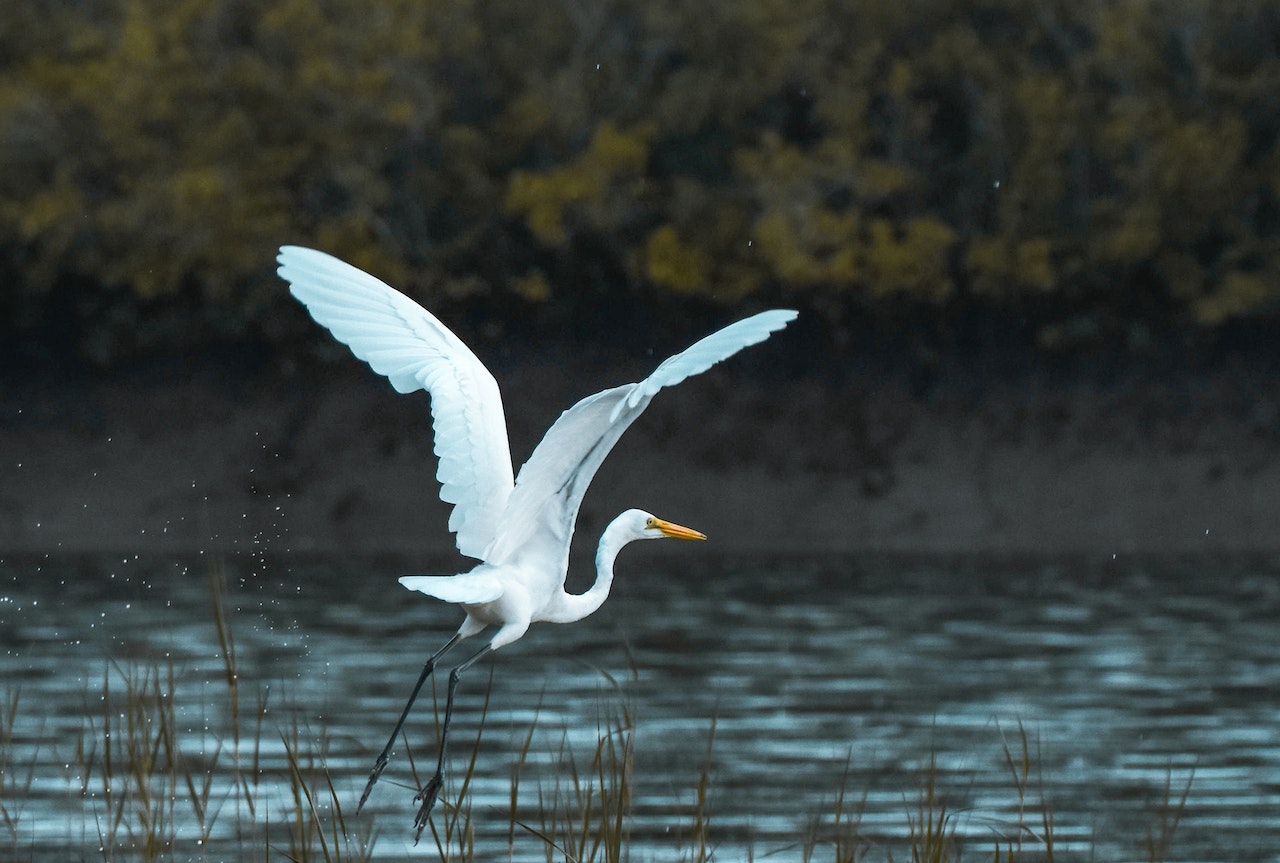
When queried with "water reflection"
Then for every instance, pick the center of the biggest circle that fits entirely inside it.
(1129, 681)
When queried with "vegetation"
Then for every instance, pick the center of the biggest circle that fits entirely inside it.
(1100, 172)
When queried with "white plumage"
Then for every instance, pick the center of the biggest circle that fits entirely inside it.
(403, 341)
(495, 519)
(520, 529)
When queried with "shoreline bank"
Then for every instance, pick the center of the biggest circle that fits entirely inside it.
(344, 465)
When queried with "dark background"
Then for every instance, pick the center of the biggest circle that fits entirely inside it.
(1034, 247)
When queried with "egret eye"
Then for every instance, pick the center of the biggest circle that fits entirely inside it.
(650, 522)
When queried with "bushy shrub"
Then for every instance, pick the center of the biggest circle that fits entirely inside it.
(1108, 162)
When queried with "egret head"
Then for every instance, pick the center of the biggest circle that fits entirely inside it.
(645, 525)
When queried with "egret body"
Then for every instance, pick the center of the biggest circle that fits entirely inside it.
(519, 527)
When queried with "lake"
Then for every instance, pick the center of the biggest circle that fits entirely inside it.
(1147, 696)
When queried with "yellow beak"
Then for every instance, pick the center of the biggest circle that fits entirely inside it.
(676, 531)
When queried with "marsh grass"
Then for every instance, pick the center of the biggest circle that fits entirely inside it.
(15, 778)
(701, 842)
(318, 825)
(932, 835)
(163, 779)
(1168, 816)
(843, 834)
(1022, 831)
(161, 776)
(583, 809)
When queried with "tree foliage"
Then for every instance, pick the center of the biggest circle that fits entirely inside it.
(1101, 168)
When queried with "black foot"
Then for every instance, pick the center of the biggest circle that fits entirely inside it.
(427, 800)
(378, 766)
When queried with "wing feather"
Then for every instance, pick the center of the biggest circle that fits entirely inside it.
(706, 352)
(549, 489)
(406, 343)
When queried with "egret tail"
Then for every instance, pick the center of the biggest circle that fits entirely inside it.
(470, 587)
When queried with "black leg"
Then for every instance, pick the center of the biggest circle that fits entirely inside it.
(381, 763)
(427, 796)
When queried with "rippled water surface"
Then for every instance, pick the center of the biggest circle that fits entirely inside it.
(1131, 685)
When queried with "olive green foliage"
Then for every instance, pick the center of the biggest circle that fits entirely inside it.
(1104, 169)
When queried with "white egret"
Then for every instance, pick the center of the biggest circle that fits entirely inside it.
(519, 527)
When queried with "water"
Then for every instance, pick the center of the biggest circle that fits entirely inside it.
(1129, 682)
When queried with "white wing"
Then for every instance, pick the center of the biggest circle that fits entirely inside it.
(400, 339)
(544, 506)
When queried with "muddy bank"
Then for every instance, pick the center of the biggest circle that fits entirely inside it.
(340, 463)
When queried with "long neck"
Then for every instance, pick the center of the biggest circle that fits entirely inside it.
(575, 606)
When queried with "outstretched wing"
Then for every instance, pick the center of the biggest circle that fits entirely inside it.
(544, 505)
(403, 341)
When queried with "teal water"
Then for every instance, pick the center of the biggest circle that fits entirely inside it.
(1131, 683)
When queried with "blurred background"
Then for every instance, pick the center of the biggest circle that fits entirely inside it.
(1017, 461)
(1051, 227)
